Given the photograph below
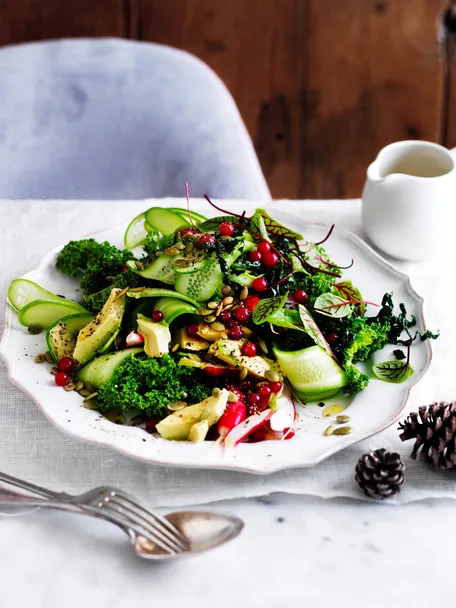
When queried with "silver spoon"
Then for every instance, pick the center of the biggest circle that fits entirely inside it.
(202, 530)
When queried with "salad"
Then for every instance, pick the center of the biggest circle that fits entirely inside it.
(212, 329)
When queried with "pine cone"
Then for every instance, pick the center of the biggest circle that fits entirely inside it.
(380, 473)
(434, 428)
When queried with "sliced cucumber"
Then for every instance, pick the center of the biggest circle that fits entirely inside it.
(161, 270)
(101, 369)
(173, 308)
(193, 262)
(109, 344)
(136, 232)
(46, 313)
(22, 291)
(92, 338)
(165, 221)
(158, 292)
(61, 337)
(196, 217)
(201, 285)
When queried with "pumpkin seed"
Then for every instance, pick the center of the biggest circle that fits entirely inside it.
(182, 263)
(243, 373)
(194, 357)
(232, 398)
(203, 328)
(137, 420)
(204, 311)
(213, 305)
(91, 396)
(247, 332)
(157, 254)
(264, 348)
(332, 410)
(40, 358)
(244, 293)
(35, 329)
(271, 375)
(329, 430)
(171, 251)
(218, 326)
(210, 319)
(116, 417)
(226, 290)
(174, 348)
(176, 406)
(110, 278)
(342, 419)
(189, 246)
(228, 300)
(49, 357)
(179, 246)
(69, 387)
(54, 370)
(224, 335)
(91, 404)
(219, 309)
(78, 385)
(84, 392)
(342, 430)
(216, 392)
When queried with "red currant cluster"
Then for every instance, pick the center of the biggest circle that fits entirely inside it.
(257, 396)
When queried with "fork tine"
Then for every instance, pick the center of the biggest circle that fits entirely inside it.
(111, 504)
(158, 518)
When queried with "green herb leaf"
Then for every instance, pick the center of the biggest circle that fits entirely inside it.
(393, 371)
(399, 354)
(313, 330)
(213, 224)
(347, 290)
(429, 335)
(287, 318)
(267, 308)
(332, 306)
(262, 219)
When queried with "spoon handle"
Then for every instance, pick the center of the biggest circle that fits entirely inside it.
(30, 487)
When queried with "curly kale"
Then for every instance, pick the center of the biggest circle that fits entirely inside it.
(156, 242)
(150, 385)
(356, 380)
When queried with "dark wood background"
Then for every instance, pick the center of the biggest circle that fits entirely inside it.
(322, 84)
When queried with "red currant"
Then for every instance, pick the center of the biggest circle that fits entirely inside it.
(254, 256)
(270, 259)
(251, 302)
(61, 379)
(249, 349)
(187, 231)
(300, 296)
(236, 332)
(243, 314)
(192, 330)
(264, 247)
(233, 323)
(225, 316)
(226, 229)
(157, 316)
(245, 386)
(332, 338)
(264, 391)
(124, 268)
(276, 387)
(260, 284)
(206, 239)
(66, 364)
(253, 398)
(150, 425)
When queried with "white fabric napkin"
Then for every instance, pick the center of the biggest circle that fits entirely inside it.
(31, 448)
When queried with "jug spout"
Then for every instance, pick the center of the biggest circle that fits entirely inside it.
(412, 159)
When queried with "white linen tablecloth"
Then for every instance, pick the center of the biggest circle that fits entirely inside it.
(31, 448)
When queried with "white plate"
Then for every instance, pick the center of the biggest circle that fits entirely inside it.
(372, 411)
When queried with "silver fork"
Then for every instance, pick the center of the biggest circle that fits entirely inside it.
(118, 504)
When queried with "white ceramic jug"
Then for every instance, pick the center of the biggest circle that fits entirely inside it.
(409, 199)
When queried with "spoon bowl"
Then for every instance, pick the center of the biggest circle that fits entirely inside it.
(203, 530)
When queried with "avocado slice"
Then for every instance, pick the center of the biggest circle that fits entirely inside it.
(182, 338)
(229, 351)
(61, 337)
(98, 332)
(156, 336)
(199, 431)
(177, 426)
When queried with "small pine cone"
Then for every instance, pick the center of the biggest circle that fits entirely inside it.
(380, 473)
(434, 431)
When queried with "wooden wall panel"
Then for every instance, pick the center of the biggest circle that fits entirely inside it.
(27, 20)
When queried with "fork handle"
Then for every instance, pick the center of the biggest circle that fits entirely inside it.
(30, 487)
